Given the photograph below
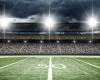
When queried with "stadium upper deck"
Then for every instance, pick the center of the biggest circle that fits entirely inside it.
(78, 36)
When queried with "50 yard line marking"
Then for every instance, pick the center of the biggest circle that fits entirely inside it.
(50, 69)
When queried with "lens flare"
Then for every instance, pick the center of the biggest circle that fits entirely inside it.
(4, 22)
(49, 22)
(92, 22)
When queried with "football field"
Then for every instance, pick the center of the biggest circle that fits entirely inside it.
(50, 68)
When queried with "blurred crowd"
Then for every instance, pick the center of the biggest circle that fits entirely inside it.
(49, 48)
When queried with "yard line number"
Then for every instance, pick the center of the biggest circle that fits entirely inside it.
(59, 66)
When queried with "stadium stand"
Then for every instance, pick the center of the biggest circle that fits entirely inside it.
(53, 48)
(53, 37)
(69, 44)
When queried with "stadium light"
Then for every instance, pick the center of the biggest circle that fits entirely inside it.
(92, 22)
(4, 22)
(58, 41)
(8, 41)
(25, 41)
(41, 41)
(74, 41)
(90, 41)
(49, 22)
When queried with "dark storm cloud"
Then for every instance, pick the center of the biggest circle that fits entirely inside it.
(66, 10)
(75, 8)
(24, 8)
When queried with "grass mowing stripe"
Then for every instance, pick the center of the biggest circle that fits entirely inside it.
(13, 63)
(50, 69)
(87, 63)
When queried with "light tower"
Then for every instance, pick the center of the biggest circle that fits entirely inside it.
(92, 21)
(49, 21)
(4, 21)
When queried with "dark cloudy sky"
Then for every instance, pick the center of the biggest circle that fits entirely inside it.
(65, 10)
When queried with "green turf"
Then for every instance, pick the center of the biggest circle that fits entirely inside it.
(75, 70)
(95, 61)
(36, 68)
(5, 61)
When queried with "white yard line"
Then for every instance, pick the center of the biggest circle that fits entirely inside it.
(87, 63)
(50, 69)
(66, 56)
(13, 63)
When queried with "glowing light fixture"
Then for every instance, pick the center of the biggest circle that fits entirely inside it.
(49, 22)
(4, 22)
(92, 22)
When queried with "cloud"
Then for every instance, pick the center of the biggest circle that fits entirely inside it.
(29, 19)
(74, 9)
(37, 18)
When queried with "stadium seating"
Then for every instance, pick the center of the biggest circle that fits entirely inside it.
(66, 46)
(46, 48)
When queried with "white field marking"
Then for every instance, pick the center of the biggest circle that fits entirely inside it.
(41, 56)
(13, 63)
(87, 63)
(42, 66)
(50, 69)
(86, 72)
(4, 57)
(59, 66)
(72, 56)
(12, 56)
